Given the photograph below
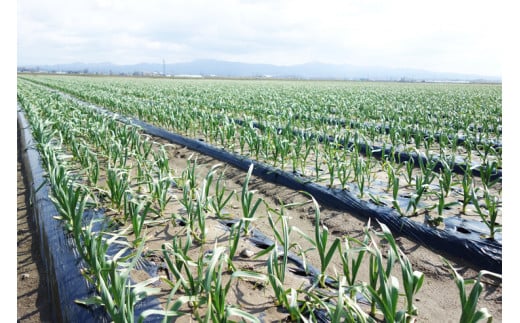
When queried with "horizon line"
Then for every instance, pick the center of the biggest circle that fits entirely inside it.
(409, 69)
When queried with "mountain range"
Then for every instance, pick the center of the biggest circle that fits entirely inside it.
(216, 68)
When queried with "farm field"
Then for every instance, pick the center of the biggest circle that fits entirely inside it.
(423, 155)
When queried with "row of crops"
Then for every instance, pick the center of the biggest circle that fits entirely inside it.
(420, 149)
(94, 161)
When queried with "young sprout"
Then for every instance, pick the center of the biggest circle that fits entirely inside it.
(469, 302)
(395, 194)
(220, 200)
(467, 184)
(70, 201)
(488, 216)
(137, 210)
(409, 171)
(118, 185)
(246, 198)
(160, 189)
(352, 252)
(320, 241)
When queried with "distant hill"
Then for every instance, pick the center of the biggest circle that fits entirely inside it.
(313, 70)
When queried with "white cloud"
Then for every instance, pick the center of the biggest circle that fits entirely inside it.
(457, 36)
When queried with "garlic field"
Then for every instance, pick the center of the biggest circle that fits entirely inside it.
(272, 200)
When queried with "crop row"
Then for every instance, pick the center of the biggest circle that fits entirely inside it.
(427, 185)
(93, 161)
(478, 149)
(471, 111)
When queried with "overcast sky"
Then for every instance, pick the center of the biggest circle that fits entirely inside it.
(442, 35)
